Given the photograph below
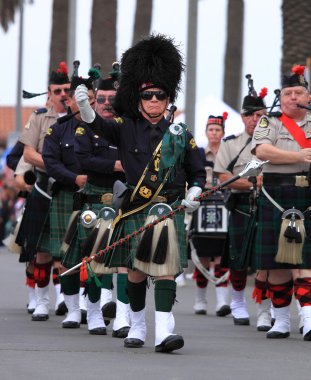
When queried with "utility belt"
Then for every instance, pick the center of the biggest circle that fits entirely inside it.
(232, 200)
(292, 179)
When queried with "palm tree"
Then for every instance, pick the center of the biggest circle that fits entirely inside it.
(296, 47)
(234, 54)
(143, 18)
(59, 36)
(103, 33)
(8, 9)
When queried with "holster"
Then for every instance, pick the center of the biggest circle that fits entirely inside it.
(230, 201)
(121, 196)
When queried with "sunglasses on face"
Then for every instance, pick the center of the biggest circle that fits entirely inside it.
(148, 95)
(102, 99)
(58, 91)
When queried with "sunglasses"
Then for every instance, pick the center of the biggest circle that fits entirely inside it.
(148, 95)
(102, 99)
(58, 91)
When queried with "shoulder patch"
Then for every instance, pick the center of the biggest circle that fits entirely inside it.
(192, 143)
(229, 137)
(49, 131)
(118, 120)
(259, 134)
(40, 110)
(80, 131)
(264, 122)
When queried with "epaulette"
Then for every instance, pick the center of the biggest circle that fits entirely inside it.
(40, 110)
(229, 137)
(274, 114)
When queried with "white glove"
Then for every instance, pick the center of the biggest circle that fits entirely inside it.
(188, 202)
(82, 99)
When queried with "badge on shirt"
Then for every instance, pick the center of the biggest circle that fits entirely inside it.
(118, 120)
(27, 126)
(260, 134)
(49, 131)
(80, 131)
(264, 122)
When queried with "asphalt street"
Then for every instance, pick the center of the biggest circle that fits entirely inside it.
(214, 347)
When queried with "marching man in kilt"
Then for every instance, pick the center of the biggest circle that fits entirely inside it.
(159, 159)
(61, 164)
(283, 138)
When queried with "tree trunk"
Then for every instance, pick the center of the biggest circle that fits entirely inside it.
(234, 54)
(103, 34)
(59, 36)
(296, 28)
(143, 17)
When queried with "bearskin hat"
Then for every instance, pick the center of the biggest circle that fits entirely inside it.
(153, 62)
(295, 78)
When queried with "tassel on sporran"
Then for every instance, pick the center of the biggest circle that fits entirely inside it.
(103, 237)
(291, 238)
(163, 251)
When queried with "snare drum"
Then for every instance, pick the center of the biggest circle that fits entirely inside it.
(209, 227)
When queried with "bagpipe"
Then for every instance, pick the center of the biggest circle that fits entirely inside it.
(251, 169)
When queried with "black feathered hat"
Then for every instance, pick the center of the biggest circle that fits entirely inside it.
(296, 78)
(60, 76)
(253, 102)
(153, 62)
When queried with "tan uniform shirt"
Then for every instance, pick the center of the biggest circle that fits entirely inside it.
(35, 130)
(22, 167)
(227, 152)
(210, 156)
(270, 130)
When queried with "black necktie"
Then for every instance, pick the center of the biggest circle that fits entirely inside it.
(233, 162)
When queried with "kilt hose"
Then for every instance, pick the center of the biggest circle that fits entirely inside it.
(74, 254)
(234, 256)
(36, 210)
(124, 254)
(56, 223)
(266, 243)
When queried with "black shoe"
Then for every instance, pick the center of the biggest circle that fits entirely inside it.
(39, 317)
(241, 321)
(30, 311)
(301, 330)
(223, 311)
(171, 343)
(277, 335)
(121, 333)
(307, 337)
(263, 328)
(61, 309)
(133, 343)
(98, 331)
(109, 311)
(83, 317)
(70, 325)
(200, 312)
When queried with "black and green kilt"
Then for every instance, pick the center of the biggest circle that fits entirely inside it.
(239, 221)
(74, 254)
(36, 210)
(124, 254)
(266, 244)
(56, 223)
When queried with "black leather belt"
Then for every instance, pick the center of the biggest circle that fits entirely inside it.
(99, 198)
(42, 180)
(297, 180)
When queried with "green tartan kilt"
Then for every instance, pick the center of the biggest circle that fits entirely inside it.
(35, 215)
(236, 237)
(266, 244)
(74, 254)
(56, 223)
(124, 254)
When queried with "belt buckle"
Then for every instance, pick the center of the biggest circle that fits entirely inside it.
(301, 181)
(106, 198)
